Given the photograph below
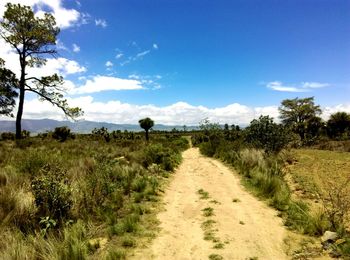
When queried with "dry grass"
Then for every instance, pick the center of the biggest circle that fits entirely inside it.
(314, 168)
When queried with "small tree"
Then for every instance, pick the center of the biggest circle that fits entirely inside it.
(33, 38)
(265, 134)
(146, 123)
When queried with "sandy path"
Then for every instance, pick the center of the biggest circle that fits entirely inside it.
(247, 228)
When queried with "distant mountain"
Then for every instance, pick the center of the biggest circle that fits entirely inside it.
(43, 125)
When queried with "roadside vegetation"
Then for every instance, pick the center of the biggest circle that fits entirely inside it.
(67, 196)
(265, 152)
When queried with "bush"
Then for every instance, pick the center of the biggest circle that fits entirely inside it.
(52, 194)
(8, 136)
(61, 133)
(163, 156)
(267, 135)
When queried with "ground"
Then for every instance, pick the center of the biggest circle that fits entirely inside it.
(208, 215)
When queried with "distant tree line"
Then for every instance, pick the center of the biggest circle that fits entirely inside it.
(300, 125)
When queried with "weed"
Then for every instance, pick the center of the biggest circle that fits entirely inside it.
(219, 245)
(215, 257)
(128, 242)
(236, 200)
(208, 212)
(241, 222)
(204, 195)
(116, 254)
(208, 224)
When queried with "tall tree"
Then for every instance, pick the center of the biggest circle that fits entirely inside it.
(8, 93)
(34, 39)
(146, 123)
(338, 124)
(298, 113)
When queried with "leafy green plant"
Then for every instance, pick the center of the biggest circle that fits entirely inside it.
(52, 195)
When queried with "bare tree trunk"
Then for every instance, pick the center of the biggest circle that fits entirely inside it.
(21, 100)
(147, 137)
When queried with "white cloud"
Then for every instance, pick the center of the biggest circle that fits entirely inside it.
(141, 54)
(65, 18)
(60, 45)
(134, 76)
(155, 46)
(109, 64)
(103, 83)
(61, 65)
(179, 113)
(328, 110)
(76, 48)
(101, 22)
(309, 85)
(303, 87)
(119, 55)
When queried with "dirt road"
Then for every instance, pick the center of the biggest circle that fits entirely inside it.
(238, 225)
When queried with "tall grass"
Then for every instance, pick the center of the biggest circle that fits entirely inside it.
(55, 197)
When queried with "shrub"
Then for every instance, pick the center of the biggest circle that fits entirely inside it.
(101, 133)
(8, 136)
(52, 194)
(267, 135)
(61, 133)
(158, 154)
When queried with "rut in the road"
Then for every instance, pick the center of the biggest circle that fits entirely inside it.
(244, 226)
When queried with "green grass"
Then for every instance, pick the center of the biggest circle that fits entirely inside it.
(215, 257)
(208, 212)
(81, 190)
(204, 195)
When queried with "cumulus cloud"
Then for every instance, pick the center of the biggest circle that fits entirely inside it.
(65, 17)
(101, 22)
(61, 66)
(179, 113)
(119, 55)
(103, 83)
(76, 48)
(109, 64)
(302, 87)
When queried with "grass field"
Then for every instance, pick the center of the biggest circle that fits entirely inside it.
(316, 169)
(82, 198)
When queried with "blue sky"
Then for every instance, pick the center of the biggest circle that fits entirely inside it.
(221, 59)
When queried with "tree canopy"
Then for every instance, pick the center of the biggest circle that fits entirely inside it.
(8, 93)
(299, 114)
(146, 123)
(338, 125)
(33, 39)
